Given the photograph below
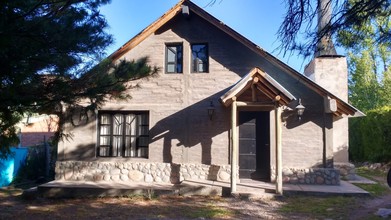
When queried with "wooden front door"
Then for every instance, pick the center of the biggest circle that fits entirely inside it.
(254, 145)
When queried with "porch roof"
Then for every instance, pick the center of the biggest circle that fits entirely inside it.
(261, 82)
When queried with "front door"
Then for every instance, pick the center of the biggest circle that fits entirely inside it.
(254, 145)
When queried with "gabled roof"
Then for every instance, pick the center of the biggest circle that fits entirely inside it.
(262, 82)
(342, 106)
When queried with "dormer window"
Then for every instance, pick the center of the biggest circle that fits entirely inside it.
(174, 58)
(199, 58)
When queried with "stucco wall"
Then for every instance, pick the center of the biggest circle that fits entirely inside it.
(331, 73)
(180, 129)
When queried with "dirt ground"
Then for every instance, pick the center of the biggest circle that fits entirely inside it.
(368, 207)
(13, 206)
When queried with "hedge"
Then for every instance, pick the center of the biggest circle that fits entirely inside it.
(370, 136)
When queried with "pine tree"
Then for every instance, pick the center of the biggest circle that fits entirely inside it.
(49, 50)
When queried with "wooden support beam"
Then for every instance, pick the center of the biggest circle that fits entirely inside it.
(266, 84)
(267, 92)
(235, 147)
(277, 112)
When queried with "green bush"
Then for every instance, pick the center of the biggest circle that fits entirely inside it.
(370, 136)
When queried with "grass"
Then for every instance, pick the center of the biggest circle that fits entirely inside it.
(210, 211)
(372, 174)
(376, 189)
(379, 176)
(336, 207)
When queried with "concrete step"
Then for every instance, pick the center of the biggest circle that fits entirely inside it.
(74, 189)
(93, 190)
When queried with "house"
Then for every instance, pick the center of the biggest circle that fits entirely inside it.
(36, 129)
(221, 109)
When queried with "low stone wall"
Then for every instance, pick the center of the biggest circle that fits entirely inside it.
(139, 172)
(347, 170)
(312, 176)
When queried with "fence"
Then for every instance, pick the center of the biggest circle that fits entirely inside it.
(27, 164)
(10, 166)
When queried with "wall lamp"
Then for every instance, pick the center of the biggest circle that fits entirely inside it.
(300, 109)
(211, 110)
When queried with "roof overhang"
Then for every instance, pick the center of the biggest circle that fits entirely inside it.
(261, 81)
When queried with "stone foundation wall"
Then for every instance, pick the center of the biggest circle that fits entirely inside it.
(312, 176)
(175, 173)
(347, 170)
(139, 172)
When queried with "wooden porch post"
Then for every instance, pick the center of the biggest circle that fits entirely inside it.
(277, 111)
(235, 151)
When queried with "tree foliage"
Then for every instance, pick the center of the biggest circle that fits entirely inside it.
(369, 61)
(49, 51)
(299, 30)
(301, 18)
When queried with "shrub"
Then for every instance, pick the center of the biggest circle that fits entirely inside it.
(370, 136)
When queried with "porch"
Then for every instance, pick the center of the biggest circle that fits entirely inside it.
(245, 189)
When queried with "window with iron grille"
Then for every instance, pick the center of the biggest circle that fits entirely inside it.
(199, 58)
(123, 134)
(174, 58)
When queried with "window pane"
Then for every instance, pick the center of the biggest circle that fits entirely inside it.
(117, 143)
(127, 152)
(117, 124)
(143, 130)
(174, 57)
(171, 54)
(130, 124)
(199, 57)
(104, 140)
(133, 145)
(144, 119)
(105, 119)
(171, 68)
(201, 67)
(104, 129)
(104, 151)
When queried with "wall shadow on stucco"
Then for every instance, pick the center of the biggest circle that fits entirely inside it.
(85, 152)
(191, 127)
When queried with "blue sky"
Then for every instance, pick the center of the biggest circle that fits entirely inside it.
(257, 20)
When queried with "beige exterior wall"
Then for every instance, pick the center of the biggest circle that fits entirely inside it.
(180, 129)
